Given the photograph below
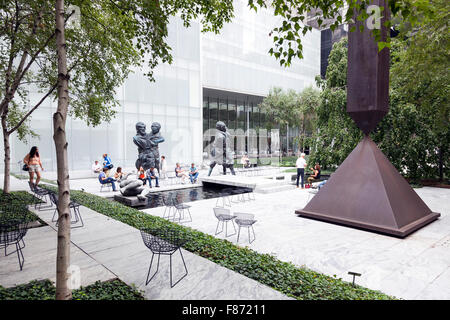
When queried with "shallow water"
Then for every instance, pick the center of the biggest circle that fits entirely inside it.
(207, 191)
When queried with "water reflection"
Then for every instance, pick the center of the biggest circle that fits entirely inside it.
(208, 191)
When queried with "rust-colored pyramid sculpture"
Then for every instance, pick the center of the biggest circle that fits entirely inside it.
(367, 191)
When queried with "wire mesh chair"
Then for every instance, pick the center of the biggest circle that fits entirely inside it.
(225, 198)
(180, 209)
(245, 220)
(107, 185)
(168, 204)
(39, 196)
(163, 242)
(12, 231)
(223, 215)
(72, 206)
(238, 196)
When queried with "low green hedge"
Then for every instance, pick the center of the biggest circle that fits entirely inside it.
(294, 281)
(18, 200)
(45, 290)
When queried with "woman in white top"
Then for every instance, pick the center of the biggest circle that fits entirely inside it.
(301, 165)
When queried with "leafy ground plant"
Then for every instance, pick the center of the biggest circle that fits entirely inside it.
(18, 200)
(45, 290)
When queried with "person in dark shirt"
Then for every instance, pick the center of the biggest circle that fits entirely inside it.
(315, 175)
(152, 174)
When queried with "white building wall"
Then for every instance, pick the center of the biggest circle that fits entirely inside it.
(238, 59)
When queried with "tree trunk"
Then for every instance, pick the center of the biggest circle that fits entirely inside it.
(6, 179)
(441, 166)
(63, 291)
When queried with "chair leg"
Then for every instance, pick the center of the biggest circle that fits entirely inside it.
(218, 222)
(254, 235)
(226, 231)
(20, 254)
(239, 233)
(185, 268)
(77, 214)
(157, 268)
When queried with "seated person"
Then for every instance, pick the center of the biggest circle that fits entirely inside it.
(120, 175)
(179, 172)
(103, 179)
(107, 162)
(321, 184)
(315, 175)
(142, 176)
(193, 173)
(245, 161)
(152, 174)
(96, 167)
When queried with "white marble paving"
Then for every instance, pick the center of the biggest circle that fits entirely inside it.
(410, 268)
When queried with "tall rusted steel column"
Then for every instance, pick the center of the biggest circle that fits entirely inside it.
(366, 191)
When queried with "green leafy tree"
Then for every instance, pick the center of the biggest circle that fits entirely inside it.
(412, 134)
(335, 134)
(105, 41)
(298, 16)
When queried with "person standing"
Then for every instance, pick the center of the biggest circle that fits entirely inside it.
(301, 165)
(33, 161)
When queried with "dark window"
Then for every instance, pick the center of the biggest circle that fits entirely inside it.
(231, 114)
(213, 112)
(223, 112)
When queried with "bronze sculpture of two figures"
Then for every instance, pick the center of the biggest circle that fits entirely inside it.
(148, 157)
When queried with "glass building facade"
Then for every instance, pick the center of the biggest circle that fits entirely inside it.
(213, 77)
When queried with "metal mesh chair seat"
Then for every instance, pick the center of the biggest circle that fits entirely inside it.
(245, 220)
(224, 216)
(72, 205)
(39, 196)
(158, 240)
(180, 208)
(12, 232)
(168, 203)
(163, 242)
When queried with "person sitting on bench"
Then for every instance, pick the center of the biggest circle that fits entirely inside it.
(104, 180)
(193, 173)
(152, 174)
(141, 175)
(179, 173)
(315, 175)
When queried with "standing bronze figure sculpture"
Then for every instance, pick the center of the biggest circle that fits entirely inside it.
(221, 152)
(366, 191)
(147, 144)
